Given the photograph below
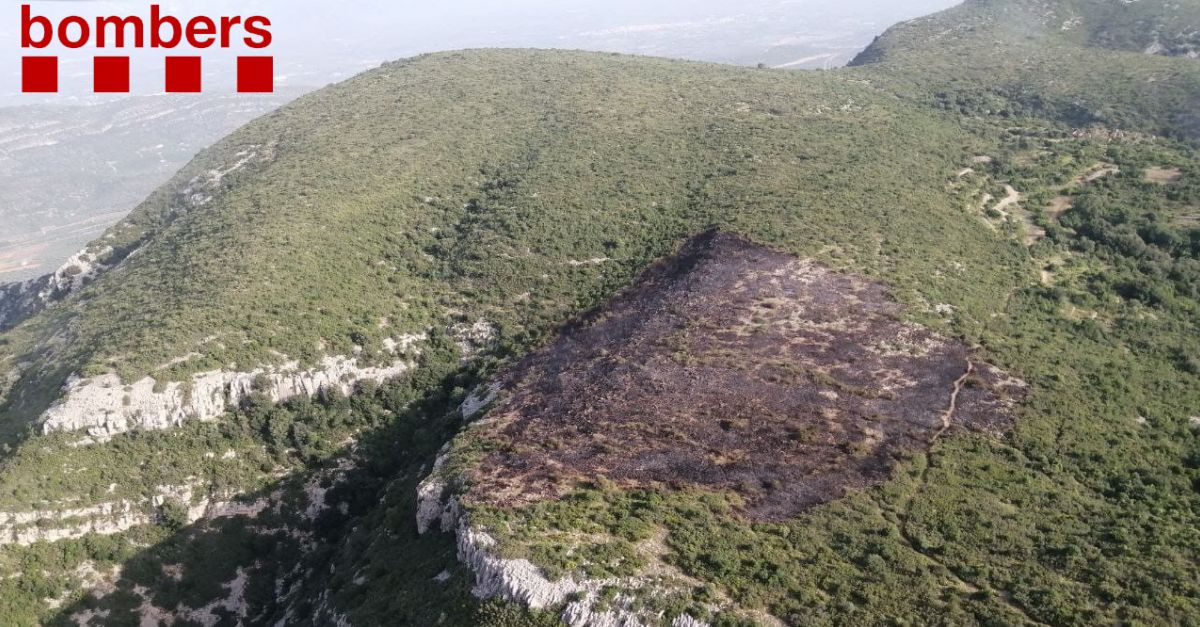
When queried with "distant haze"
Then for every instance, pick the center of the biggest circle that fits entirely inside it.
(320, 42)
(69, 171)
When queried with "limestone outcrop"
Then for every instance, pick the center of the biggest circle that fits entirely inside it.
(52, 524)
(103, 406)
(522, 581)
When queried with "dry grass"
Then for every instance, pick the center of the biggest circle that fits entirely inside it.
(1163, 176)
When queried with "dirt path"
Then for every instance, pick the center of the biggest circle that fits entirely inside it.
(948, 415)
(1097, 172)
(826, 57)
(905, 512)
(1011, 198)
(1010, 207)
(1058, 206)
(1063, 202)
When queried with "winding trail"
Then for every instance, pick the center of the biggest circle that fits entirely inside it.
(1011, 198)
(948, 415)
(905, 511)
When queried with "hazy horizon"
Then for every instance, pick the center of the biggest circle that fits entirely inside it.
(319, 42)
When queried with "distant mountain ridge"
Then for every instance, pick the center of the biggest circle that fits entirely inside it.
(1055, 59)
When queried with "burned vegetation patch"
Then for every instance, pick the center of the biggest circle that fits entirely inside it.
(732, 366)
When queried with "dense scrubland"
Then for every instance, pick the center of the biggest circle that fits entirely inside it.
(524, 188)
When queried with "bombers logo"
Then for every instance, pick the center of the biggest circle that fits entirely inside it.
(39, 74)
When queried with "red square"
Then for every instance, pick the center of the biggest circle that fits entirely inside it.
(256, 75)
(39, 75)
(112, 75)
(183, 75)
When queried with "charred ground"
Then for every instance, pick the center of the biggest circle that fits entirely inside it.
(734, 366)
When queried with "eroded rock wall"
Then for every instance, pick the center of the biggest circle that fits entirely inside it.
(103, 406)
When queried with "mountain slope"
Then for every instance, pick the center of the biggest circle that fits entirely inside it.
(239, 412)
(1084, 62)
(70, 172)
(434, 231)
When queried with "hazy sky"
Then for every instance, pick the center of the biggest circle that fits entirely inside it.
(321, 42)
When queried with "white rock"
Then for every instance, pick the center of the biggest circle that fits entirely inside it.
(581, 613)
(478, 399)
(74, 272)
(474, 338)
(54, 524)
(429, 503)
(402, 344)
(521, 581)
(433, 506)
(103, 406)
(516, 580)
(594, 261)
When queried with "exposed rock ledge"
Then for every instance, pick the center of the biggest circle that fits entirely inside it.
(103, 406)
(19, 301)
(521, 581)
(53, 525)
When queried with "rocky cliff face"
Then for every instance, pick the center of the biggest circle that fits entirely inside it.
(1179, 47)
(76, 272)
(52, 524)
(522, 581)
(19, 301)
(103, 406)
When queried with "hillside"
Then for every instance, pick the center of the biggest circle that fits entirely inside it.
(909, 342)
(1122, 65)
(69, 172)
